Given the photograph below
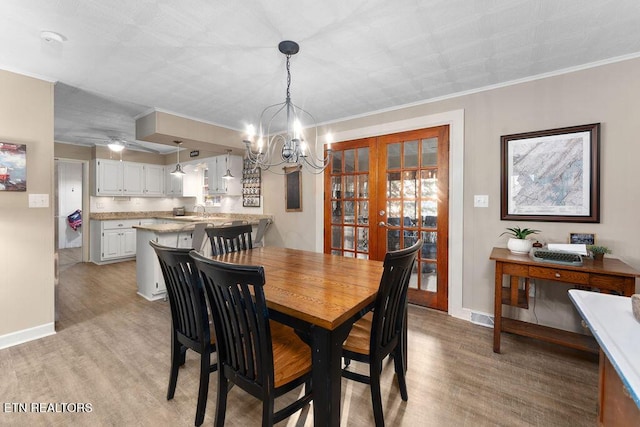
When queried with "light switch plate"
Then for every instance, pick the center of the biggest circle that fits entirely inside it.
(38, 200)
(480, 201)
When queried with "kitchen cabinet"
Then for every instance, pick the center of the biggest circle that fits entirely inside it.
(113, 240)
(174, 184)
(154, 180)
(187, 185)
(117, 178)
(217, 168)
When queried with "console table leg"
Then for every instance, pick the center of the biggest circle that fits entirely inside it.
(497, 308)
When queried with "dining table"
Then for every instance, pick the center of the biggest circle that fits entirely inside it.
(320, 296)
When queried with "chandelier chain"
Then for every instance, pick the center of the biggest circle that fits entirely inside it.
(288, 77)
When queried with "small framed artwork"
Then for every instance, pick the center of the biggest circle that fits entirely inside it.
(551, 175)
(293, 189)
(582, 238)
(13, 167)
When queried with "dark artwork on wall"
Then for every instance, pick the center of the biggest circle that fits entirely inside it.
(13, 167)
(293, 190)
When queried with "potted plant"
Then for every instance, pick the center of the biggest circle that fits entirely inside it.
(598, 251)
(518, 243)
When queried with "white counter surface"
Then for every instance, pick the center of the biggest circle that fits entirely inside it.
(610, 319)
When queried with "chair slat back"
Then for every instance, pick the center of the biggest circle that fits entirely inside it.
(240, 319)
(388, 314)
(186, 295)
(230, 239)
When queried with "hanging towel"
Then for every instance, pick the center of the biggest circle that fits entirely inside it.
(75, 219)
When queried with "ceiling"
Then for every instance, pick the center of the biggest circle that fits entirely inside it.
(218, 62)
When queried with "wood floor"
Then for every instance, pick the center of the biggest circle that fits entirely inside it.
(112, 350)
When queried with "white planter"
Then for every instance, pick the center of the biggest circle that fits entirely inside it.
(519, 246)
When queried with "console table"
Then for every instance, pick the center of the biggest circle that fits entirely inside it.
(608, 276)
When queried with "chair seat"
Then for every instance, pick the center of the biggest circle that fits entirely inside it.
(360, 335)
(291, 356)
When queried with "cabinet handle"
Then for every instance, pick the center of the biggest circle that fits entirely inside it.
(558, 275)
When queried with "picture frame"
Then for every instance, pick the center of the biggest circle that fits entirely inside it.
(551, 175)
(582, 238)
(13, 167)
(293, 189)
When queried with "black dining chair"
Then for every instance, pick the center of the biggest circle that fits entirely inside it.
(189, 319)
(379, 333)
(262, 357)
(231, 238)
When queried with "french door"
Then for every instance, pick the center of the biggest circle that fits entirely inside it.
(383, 194)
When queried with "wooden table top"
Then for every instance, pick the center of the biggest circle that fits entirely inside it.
(324, 290)
(606, 266)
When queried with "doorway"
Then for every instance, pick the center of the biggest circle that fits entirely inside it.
(70, 224)
(383, 193)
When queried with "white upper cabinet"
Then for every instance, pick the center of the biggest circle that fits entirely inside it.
(174, 184)
(154, 180)
(117, 178)
(217, 168)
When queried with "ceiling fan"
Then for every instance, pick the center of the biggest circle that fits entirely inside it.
(117, 144)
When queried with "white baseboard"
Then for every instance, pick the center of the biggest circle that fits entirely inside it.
(26, 335)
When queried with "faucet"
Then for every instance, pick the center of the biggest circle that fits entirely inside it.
(195, 209)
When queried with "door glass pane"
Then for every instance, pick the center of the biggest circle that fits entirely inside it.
(410, 183)
(411, 154)
(362, 256)
(348, 238)
(336, 237)
(413, 280)
(363, 186)
(348, 254)
(429, 213)
(363, 212)
(336, 162)
(336, 186)
(410, 214)
(428, 276)
(430, 152)
(393, 212)
(363, 239)
(410, 238)
(393, 184)
(429, 242)
(336, 212)
(393, 156)
(349, 214)
(393, 240)
(363, 159)
(349, 187)
(349, 161)
(429, 183)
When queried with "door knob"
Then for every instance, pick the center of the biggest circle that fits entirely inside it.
(383, 224)
(381, 213)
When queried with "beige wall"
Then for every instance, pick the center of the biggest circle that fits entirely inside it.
(27, 246)
(609, 94)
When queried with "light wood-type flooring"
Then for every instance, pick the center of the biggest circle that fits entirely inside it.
(112, 350)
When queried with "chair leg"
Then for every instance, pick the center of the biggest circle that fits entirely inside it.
(203, 391)
(176, 357)
(347, 362)
(376, 397)
(398, 361)
(267, 412)
(221, 404)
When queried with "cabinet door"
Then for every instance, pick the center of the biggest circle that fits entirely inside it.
(234, 186)
(111, 244)
(153, 180)
(174, 184)
(128, 242)
(217, 168)
(133, 179)
(108, 178)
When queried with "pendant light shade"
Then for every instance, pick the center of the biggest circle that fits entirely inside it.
(228, 175)
(177, 171)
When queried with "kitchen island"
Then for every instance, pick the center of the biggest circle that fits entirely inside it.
(177, 233)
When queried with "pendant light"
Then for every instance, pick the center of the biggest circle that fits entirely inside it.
(228, 175)
(178, 169)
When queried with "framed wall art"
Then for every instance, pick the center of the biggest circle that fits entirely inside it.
(13, 167)
(551, 175)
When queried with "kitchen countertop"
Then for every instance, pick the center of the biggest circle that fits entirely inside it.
(191, 217)
(611, 321)
(188, 225)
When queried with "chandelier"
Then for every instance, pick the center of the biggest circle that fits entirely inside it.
(280, 139)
